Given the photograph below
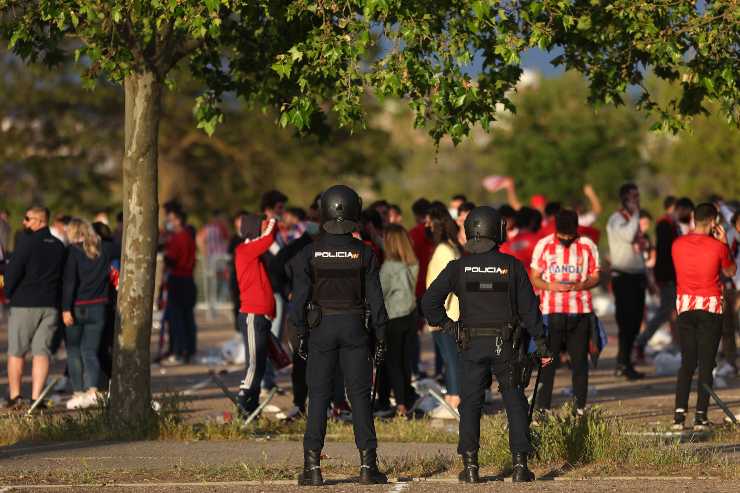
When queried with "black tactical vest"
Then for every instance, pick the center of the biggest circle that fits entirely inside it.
(338, 277)
(483, 288)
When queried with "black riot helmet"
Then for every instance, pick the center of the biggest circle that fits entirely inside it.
(484, 229)
(340, 210)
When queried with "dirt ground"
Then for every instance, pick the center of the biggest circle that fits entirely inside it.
(647, 402)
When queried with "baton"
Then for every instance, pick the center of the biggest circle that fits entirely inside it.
(534, 393)
(376, 383)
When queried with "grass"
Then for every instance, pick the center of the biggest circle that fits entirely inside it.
(593, 445)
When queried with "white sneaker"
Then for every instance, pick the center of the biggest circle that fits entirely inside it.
(271, 409)
(441, 412)
(76, 400)
(293, 413)
(725, 370)
(90, 399)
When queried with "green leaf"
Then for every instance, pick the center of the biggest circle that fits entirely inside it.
(212, 5)
(584, 23)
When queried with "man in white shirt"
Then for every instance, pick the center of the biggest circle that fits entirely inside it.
(628, 276)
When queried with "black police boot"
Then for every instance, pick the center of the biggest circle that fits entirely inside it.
(469, 474)
(311, 475)
(369, 473)
(522, 474)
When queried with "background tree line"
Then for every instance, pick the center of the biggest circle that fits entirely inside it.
(61, 147)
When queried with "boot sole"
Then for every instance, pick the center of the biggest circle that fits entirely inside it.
(309, 483)
(371, 481)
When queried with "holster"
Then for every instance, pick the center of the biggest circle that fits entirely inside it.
(522, 364)
(462, 337)
(313, 315)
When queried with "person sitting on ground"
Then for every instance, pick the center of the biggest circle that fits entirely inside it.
(700, 258)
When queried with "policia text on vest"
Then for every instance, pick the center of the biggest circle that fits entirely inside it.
(495, 296)
(338, 277)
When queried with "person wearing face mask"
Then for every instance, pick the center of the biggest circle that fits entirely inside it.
(179, 256)
(700, 257)
(565, 267)
(667, 230)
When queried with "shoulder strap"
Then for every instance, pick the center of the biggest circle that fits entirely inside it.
(512, 292)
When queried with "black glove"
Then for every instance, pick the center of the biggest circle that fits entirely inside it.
(379, 351)
(542, 351)
(302, 347)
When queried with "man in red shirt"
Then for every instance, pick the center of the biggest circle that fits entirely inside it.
(257, 307)
(521, 246)
(699, 257)
(179, 257)
(565, 267)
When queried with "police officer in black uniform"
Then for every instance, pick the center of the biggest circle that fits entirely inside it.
(336, 281)
(496, 303)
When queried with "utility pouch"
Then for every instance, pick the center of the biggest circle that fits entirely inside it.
(313, 315)
(462, 337)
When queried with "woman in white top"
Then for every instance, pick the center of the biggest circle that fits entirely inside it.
(445, 238)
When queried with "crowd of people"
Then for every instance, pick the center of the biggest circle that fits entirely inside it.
(61, 282)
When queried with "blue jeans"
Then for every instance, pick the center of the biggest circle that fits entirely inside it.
(663, 315)
(83, 341)
(448, 349)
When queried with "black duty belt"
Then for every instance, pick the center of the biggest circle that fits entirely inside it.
(485, 332)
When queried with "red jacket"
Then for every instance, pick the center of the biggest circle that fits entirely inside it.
(180, 251)
(423, 248)
(255, 290)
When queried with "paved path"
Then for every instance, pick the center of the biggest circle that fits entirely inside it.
(621, 485)
(159, 455)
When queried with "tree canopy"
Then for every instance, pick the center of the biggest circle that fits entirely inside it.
(308, 58)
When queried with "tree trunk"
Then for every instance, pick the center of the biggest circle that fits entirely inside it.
(131, 380)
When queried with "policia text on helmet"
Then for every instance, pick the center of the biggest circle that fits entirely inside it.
(336, 283)
(498, 314)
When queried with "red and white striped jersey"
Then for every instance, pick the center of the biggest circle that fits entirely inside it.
(688, 302)
(576, 263)
(699, 260)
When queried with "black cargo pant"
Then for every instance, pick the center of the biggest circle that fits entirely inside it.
(569, 331)
(478, 363)
(629, 301)
(339, 340)
(699, 333)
